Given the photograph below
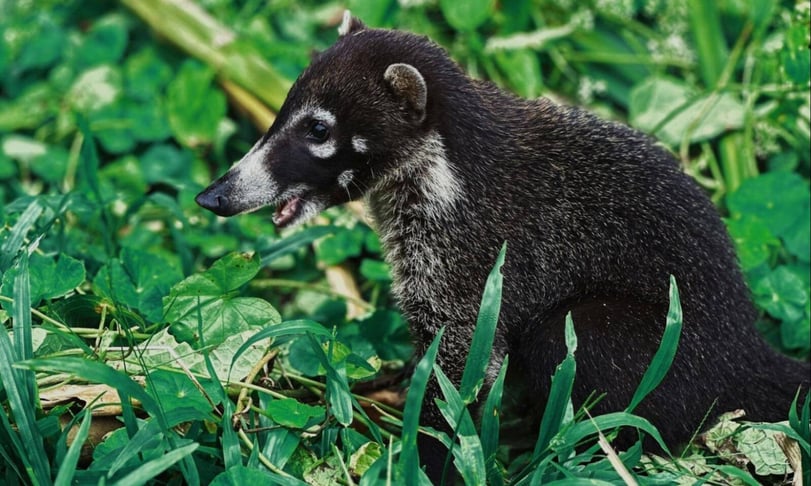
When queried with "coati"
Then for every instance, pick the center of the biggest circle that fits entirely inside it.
(596, 216)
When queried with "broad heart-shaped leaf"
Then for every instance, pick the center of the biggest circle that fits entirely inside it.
(753, 240)
(139, 280)
(780, 200)
(50, 278)
(783, 294)
(179, 397)
(207, 296)
(194, 107)
(292, 413)
(466, 15)
(669, 110)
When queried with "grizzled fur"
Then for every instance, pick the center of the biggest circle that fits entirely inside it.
(596, 217)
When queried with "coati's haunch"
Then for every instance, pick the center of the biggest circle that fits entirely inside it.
(596, 217)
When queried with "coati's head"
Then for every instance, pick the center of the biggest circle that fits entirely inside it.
(342, 126)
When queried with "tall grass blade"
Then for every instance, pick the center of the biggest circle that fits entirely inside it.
(490, 427)
(478, 358)
(468, 454)
(154, 467)
(409, 462)
(609, 421)
(338, 394)
(711, 46)
(89, 175)
(286, 328)
(19, 385)
(16, 238)
(95, 372)
(68, 467)
(560, 393)
(663, 359)
(801, 423)
(147, 436)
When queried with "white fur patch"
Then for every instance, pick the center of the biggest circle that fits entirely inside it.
(324, 150)
(313, 112)
(345, 178)
(360, 144)
(346, 23)
(325, 116)
(254, 184)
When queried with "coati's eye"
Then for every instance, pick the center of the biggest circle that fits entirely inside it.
(319, 132)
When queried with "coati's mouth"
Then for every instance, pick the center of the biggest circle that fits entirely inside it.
(287, 211)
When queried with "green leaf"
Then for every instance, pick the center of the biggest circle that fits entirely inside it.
(95, 89)
(779, 199)
(179, 397)
(292, 413)
(375, 270)
(105, 42)
(660, 364)
(240, 475)
(150, 469)
(337, 247)
(289, 244)
(782, 294)
(466, 15)
(611, 421)
(132, 280)
(362, 459)
(43, 50)
(194, 107)
(408, 464)
(338, 394)
(67, 469)
(478, 358)
(490, 427)
(209, 296)
(668, 109)
(753, 240)
(560, 394)
(468, 455)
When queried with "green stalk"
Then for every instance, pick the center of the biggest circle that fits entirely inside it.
(705, 24)
(193, 30)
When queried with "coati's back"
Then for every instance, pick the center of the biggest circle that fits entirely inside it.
(595, 215)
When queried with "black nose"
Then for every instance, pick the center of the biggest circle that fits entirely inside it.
(211, 200)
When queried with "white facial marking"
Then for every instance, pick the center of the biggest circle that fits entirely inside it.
(346, 22)
(254, 182)
(360, 144)
(345, 178)
(324, 150)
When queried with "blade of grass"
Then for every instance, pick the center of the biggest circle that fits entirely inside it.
(20, 385)
(663, 359)
(490, 427)
(468, 455)
(154, 467)
(609, 421)
(338, 394)
(802, 426)
(478, 358)
(68, 467)
(147, 436)
(286, 328)
(708, 36)
(560, 393)
(11, 246)
(409, 463)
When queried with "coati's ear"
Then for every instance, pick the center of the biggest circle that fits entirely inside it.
(408, 84)
(349, 24)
